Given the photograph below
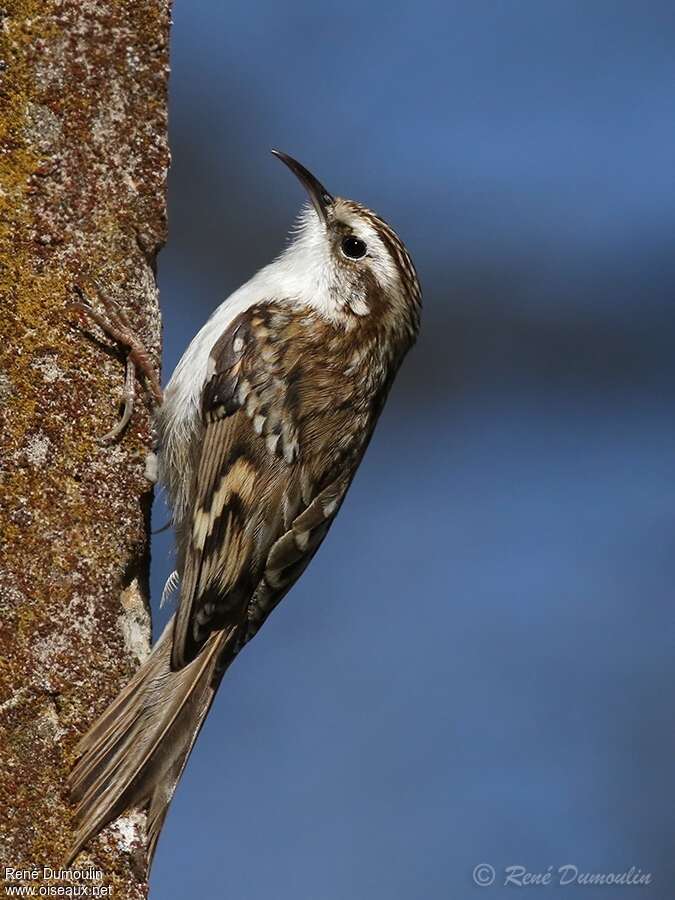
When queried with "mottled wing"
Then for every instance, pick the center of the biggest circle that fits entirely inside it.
(260, 507)
(292, 552)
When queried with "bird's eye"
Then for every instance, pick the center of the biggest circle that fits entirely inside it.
(353, 247)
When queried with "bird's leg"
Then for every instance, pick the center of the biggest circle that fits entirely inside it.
(116, 325)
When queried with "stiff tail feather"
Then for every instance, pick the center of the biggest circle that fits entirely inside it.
(134, 754)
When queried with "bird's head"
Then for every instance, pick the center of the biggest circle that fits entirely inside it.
(352, 266)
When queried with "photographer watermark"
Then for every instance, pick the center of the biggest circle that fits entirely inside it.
(485, 874)
(48, 881)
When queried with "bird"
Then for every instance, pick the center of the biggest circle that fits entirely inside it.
(260, 431)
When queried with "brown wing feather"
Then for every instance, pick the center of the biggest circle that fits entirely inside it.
(244, 480)
(277, 456)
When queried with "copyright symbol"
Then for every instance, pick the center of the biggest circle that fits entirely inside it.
(483, 874)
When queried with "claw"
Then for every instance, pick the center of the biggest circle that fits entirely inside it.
(128, 398)
(116, 325)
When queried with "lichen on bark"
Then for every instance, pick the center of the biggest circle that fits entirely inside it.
(83, 164)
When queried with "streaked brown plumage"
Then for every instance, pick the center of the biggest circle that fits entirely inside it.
(263, 426)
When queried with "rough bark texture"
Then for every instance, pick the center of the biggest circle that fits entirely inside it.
(83, 164)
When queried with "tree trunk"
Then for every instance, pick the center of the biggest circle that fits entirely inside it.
(83, 165)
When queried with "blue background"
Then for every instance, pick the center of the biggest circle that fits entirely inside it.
(479, 666)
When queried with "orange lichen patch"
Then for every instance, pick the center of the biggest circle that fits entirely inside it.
(83, 162)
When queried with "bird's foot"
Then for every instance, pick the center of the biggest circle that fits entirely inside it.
(116, 325)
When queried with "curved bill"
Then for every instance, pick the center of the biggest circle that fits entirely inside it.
(321, 199)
